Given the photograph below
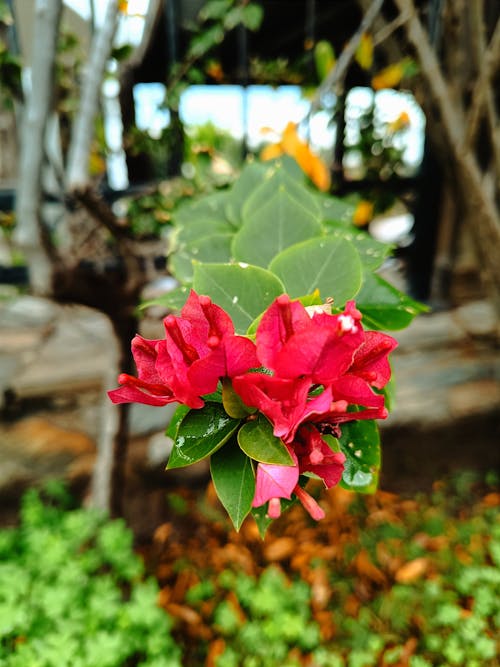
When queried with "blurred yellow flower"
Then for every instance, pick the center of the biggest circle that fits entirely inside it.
(291, 144)
(123, 6)
(363, 213)
(364, 52)
(391, 76)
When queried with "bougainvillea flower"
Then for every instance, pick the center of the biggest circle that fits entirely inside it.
(314, 455)
(310, 453)
(292, 343)
(285, 402)
(150, 387)
(274, 482)
(199, 348)
(281, 321)
(371, 361)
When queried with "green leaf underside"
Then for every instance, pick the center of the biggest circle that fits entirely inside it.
(371, 252)
(360, 442)
(243, 291)
(269, 230)
(200, 434)
(329, 264)
(233, 404)
(256, 439)
(234, 480)
(385, 307)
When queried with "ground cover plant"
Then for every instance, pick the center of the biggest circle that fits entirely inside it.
(382, 580)
(73, 593)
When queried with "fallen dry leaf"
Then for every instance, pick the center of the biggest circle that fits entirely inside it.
(281, 548)
(412, 570)
(365, 568)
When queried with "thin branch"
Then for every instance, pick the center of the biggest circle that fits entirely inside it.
(490, 60)
(101, 212)
(385, 32)
(335, 77)
(486, 216)
(83, 130)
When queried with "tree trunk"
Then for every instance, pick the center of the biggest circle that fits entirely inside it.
(31, 235)
(77, 175)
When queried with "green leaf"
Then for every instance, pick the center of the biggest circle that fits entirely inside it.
(209, 249)
(205, 40)
(360, 442)
(256, 439)
(197, 229)
(234, 480)
(173, 300)
(123, 52)
(180, 265)
(335, 209)
(371, 252)
(261, 518)
(214, 9)
(200, 434)
(277, 223)
(252, 16)
(252, 175)
(329, 264)
(243, 291)
(176, 419)
(283, 176)
(233, 404)
(385, 307)
(206, 207)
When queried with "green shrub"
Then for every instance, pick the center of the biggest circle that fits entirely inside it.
(73, 593)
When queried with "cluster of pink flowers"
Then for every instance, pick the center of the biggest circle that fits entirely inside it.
(304, 372)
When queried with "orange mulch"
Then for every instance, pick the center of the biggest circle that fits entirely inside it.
(199, 542)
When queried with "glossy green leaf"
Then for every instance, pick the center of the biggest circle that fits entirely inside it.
(234, 480)
(176, 419)
(385, 307)
(241, 290)
(200, 434)
(256, 439)
(329, 264)
(277, 224)
(360, 442)
(232, 402)
(371, 252)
